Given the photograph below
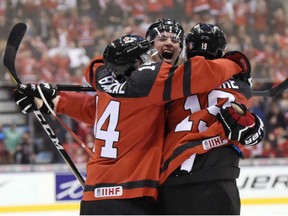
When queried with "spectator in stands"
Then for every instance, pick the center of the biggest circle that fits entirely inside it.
(86, 35)
(275, 118)
(26, 150)
(77, 58)
(2, 134)
(283, 148)
(12, 140)
(281, 144)
(4, 154)
(268, 151)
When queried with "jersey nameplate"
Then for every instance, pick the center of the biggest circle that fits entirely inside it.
(229, 84)
(111, 85)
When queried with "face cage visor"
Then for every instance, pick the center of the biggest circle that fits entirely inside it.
(165, 33)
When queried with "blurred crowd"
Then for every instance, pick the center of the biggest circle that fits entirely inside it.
(63, 35)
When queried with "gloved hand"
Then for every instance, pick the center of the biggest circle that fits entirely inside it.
(31, 91)
(242, 61)
(26, 103)
(241, 125)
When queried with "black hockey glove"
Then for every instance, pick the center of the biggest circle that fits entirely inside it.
(242, 61)
(31, 91)
(26, 103)
(241, 125)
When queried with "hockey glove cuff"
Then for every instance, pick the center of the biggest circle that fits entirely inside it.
(256, 134)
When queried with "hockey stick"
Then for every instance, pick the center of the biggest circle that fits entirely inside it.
(15, 37)
(86, 148)
(38, 101)
(273, 92)
(61, 87)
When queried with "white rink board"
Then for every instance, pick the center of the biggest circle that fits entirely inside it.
(27, 189)
(264, 183)
(247, 210)
(26, 192)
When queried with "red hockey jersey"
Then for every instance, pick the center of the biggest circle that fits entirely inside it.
(129, 121)
(192, 126)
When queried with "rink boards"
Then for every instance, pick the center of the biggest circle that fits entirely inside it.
(52, 190)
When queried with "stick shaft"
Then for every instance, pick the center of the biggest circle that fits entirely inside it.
(61, 87)
(15, 37)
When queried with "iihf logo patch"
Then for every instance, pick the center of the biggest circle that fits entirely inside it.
(108, 191)
(213, 142)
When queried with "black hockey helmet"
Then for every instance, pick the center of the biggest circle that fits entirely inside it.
(165, 25)
(121, 55)
(206, 40)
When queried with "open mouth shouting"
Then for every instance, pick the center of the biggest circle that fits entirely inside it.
(167, 55)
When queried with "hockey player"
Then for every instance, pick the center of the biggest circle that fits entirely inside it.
(202, 178)
(167, 37)
(128, 116)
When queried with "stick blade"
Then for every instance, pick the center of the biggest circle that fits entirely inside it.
(279, 89)
(264, 93)
(273, 92)
(15, 37)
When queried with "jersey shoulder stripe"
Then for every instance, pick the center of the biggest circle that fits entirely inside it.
(168, 84)
(186, 79)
